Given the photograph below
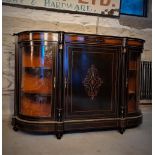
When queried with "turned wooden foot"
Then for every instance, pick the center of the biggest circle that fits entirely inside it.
(59, 135)
(15, 128)
(122, 130)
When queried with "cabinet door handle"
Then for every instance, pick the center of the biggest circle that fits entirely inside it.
(54, 82)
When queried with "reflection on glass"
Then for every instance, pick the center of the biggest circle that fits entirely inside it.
(35, 105)
(131, 102)
(42, 54)
(66, 64)
(36, 56)
(36, 80)
(132, 82)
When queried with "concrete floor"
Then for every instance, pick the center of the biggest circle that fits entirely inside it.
(136, 141)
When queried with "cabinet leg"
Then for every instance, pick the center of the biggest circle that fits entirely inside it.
(122, 130)
(15, 128)
(13, 123)
(59, 135)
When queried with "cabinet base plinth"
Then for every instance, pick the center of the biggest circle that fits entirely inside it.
(33, 126)
(75, 125)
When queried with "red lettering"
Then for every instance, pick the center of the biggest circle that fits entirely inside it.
(82, 1)
(93, 2)
(102, 2)
(105, 2)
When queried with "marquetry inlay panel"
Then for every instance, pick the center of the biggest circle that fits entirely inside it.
(92, 82)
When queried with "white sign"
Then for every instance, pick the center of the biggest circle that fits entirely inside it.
(94, 7)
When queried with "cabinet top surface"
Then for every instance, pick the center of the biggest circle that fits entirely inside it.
(73, 33)
(77, 38)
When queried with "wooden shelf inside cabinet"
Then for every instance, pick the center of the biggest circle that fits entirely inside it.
(35, 105)
(37, 80)
(29, 93)
(131, 92)
(132, 71)
(36, 70)
(132, 87)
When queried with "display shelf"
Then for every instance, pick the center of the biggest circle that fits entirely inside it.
(131, 92)
(133, 72)
(36, 80)
(40, 103)
(36, 93)
(35, 105)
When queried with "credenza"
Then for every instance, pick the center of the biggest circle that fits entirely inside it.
(67, 82)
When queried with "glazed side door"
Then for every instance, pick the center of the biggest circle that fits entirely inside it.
(91, 85)
(133, 76)
(37, 74)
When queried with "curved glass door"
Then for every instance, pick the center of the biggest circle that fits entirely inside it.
(133, 78)
(37, 73)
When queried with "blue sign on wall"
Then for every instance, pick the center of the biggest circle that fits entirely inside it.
(134, 7)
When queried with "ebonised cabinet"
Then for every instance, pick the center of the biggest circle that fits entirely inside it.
(72, 82)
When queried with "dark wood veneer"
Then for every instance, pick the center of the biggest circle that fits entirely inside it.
(81, 82)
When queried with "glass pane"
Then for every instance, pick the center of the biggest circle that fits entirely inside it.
(35, 105)
(132, 81)
(132, 77)
(36, 56)
(36, 80)
(131, 103)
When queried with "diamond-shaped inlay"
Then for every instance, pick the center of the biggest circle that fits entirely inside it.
(92, 82)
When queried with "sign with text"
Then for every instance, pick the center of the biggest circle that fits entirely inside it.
(93, 7)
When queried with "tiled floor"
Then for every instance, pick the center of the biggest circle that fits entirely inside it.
(136, 141)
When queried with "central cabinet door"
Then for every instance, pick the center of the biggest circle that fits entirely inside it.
(91, 81)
